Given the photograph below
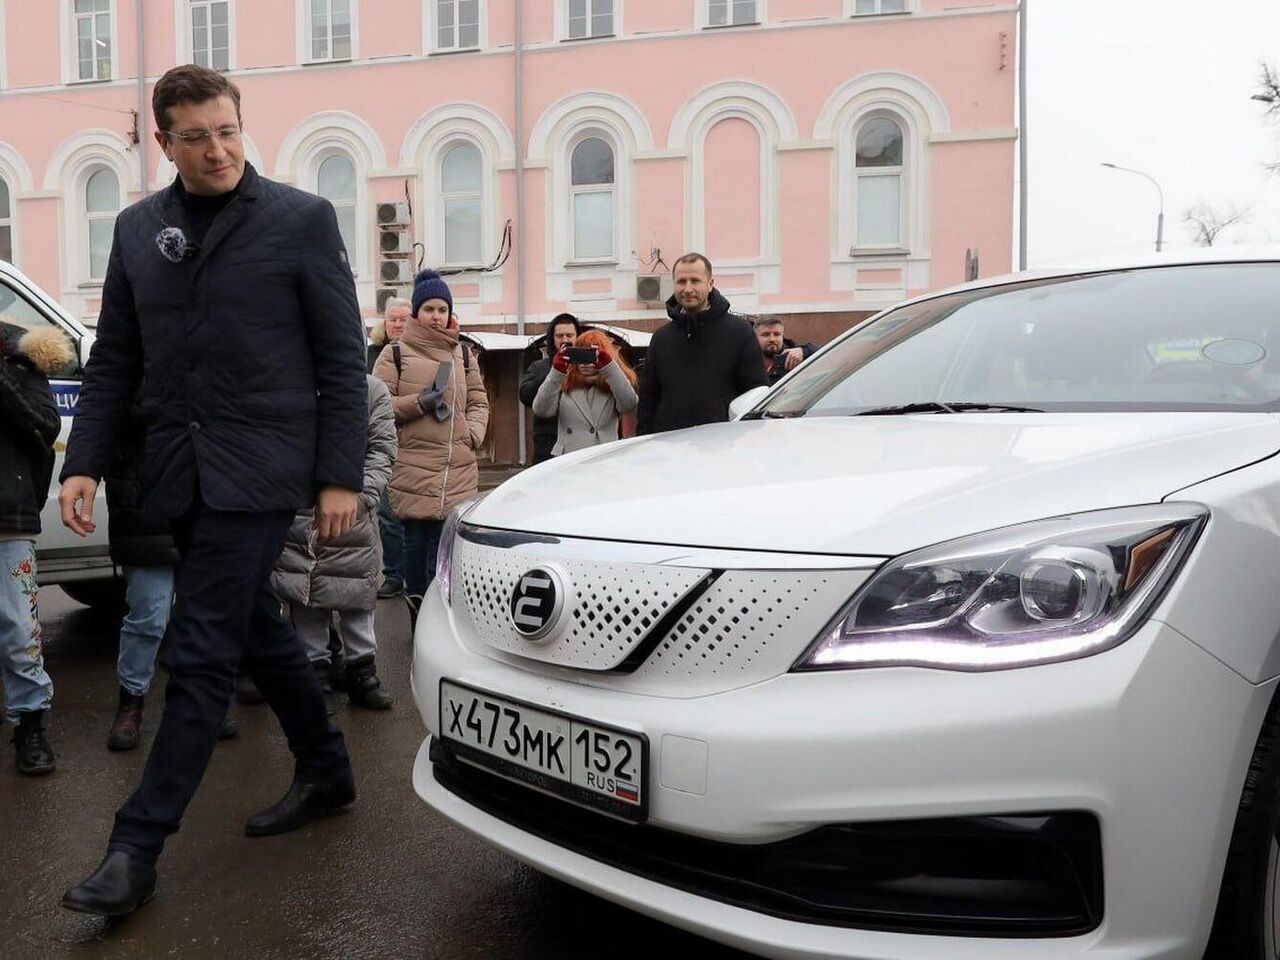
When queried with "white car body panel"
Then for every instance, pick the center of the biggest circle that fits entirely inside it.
(873, 485)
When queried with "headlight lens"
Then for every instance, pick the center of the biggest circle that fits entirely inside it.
(1033, 593)
(448, 534)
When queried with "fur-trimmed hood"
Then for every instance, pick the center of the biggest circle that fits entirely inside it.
(378, 334)
(47, 349)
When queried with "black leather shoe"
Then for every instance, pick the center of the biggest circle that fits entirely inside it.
(302, 804)
(119, 886)
(34, 755)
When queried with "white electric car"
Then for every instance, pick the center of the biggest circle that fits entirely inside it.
(962, 643)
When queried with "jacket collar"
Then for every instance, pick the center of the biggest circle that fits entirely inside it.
(174, 214)
(717, 307)
(427, 339)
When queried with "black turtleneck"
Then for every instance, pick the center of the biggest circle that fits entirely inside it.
(202, 211)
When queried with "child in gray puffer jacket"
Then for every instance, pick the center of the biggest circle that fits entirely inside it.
(319, 580)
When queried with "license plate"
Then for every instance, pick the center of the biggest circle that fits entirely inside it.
(588, 763)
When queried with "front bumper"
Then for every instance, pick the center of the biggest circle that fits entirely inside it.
(1151, 739)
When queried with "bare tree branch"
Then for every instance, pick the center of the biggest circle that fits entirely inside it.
(1207, 223)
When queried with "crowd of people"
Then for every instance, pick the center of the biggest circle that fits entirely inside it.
(271, 473)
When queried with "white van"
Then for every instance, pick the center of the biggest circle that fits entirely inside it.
(82, 567)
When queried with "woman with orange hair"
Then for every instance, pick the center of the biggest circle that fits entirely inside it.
(587, 396)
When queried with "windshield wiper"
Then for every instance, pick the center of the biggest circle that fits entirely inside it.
(937, 406)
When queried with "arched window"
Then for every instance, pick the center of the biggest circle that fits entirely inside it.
(336, 182)
(461, 200)
(878, 197)
(101, 204)
(592, 182)
(6, 224)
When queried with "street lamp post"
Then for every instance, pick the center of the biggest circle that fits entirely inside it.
(1160, 217)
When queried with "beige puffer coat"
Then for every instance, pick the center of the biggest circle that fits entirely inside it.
(436, 466)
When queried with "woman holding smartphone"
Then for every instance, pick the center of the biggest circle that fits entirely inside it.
(589, 389)
(441, 412)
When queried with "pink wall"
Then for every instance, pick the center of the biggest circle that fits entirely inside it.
(731, 186)
(660, 63)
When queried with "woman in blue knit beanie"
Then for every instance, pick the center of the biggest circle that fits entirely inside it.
(442, 413)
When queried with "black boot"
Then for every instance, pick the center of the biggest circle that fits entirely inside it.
(121, 884)
(127, 726)
(363, 686)
(35, 756)
(302, 804)
(324, 673)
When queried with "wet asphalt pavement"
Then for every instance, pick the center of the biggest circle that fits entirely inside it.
(389, 879)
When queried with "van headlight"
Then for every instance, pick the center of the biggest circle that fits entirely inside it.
(448, 535)
(1032, 593)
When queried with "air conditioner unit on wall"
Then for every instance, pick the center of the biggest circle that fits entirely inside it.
(395, 241)
(393, 214)
(653, 287)
(395, 271)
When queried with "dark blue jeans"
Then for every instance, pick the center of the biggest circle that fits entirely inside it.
(391, 528)
(421, 542)
(224, 613)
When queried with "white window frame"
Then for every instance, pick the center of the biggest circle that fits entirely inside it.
(562, 21)
(904, 182)
(11, 221)
(430, 39)
(354, 204)
(85, 217)
(70, 51)
(592, 133)
(851, 10)
(704, 15)
(304, 33)
(184, 46)
(318, 153)
(441, 226)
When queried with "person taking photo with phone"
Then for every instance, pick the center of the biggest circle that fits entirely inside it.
(588, 390)
(442, 413)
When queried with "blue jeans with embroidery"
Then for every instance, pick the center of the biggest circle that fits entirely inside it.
(27, 688)
(148, 595)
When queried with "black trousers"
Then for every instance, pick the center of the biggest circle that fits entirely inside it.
(224, 613)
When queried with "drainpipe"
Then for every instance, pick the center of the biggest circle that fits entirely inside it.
(142, 98)
(521, 439)
(1022, 135)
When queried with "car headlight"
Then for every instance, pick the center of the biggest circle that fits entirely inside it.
(448, 534)
(1032, 593)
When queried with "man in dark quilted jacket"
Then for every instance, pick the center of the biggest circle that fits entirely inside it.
(229, 313)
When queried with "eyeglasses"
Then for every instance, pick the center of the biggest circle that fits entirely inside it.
(199, 138)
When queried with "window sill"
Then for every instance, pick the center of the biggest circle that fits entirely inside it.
(318, 63)
(594, 36)
(876, 16)
(452, 51)
(603, 262)
(729, 26)
(90, 285)
(78, 81)
(858, 253)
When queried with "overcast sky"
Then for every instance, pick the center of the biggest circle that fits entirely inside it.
(1160, 85)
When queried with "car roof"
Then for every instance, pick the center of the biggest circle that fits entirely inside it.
(1262, 253)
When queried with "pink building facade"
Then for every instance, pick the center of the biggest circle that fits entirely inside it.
(831, 156)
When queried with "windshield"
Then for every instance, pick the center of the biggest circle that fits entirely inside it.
(1203, 337)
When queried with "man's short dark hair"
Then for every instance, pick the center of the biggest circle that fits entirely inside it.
(694, 258)
(558, 319)
(190, 84)
(767, 321)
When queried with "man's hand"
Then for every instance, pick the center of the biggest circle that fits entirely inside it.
(75, 499)
(792, 358)
(335, 511)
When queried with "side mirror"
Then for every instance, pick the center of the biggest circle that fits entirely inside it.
(85, 348)
(743, 403)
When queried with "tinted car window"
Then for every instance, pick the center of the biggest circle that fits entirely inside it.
(1203, 337)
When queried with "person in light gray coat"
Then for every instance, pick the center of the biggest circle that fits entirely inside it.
(588, 401)
(318, 579)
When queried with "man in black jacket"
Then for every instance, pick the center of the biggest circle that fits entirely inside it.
(699, 361)
(29, 425)
(229, 312)
(561, 331)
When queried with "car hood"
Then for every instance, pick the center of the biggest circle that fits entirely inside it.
(871, 485)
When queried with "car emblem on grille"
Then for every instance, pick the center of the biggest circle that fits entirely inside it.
(537, 602)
